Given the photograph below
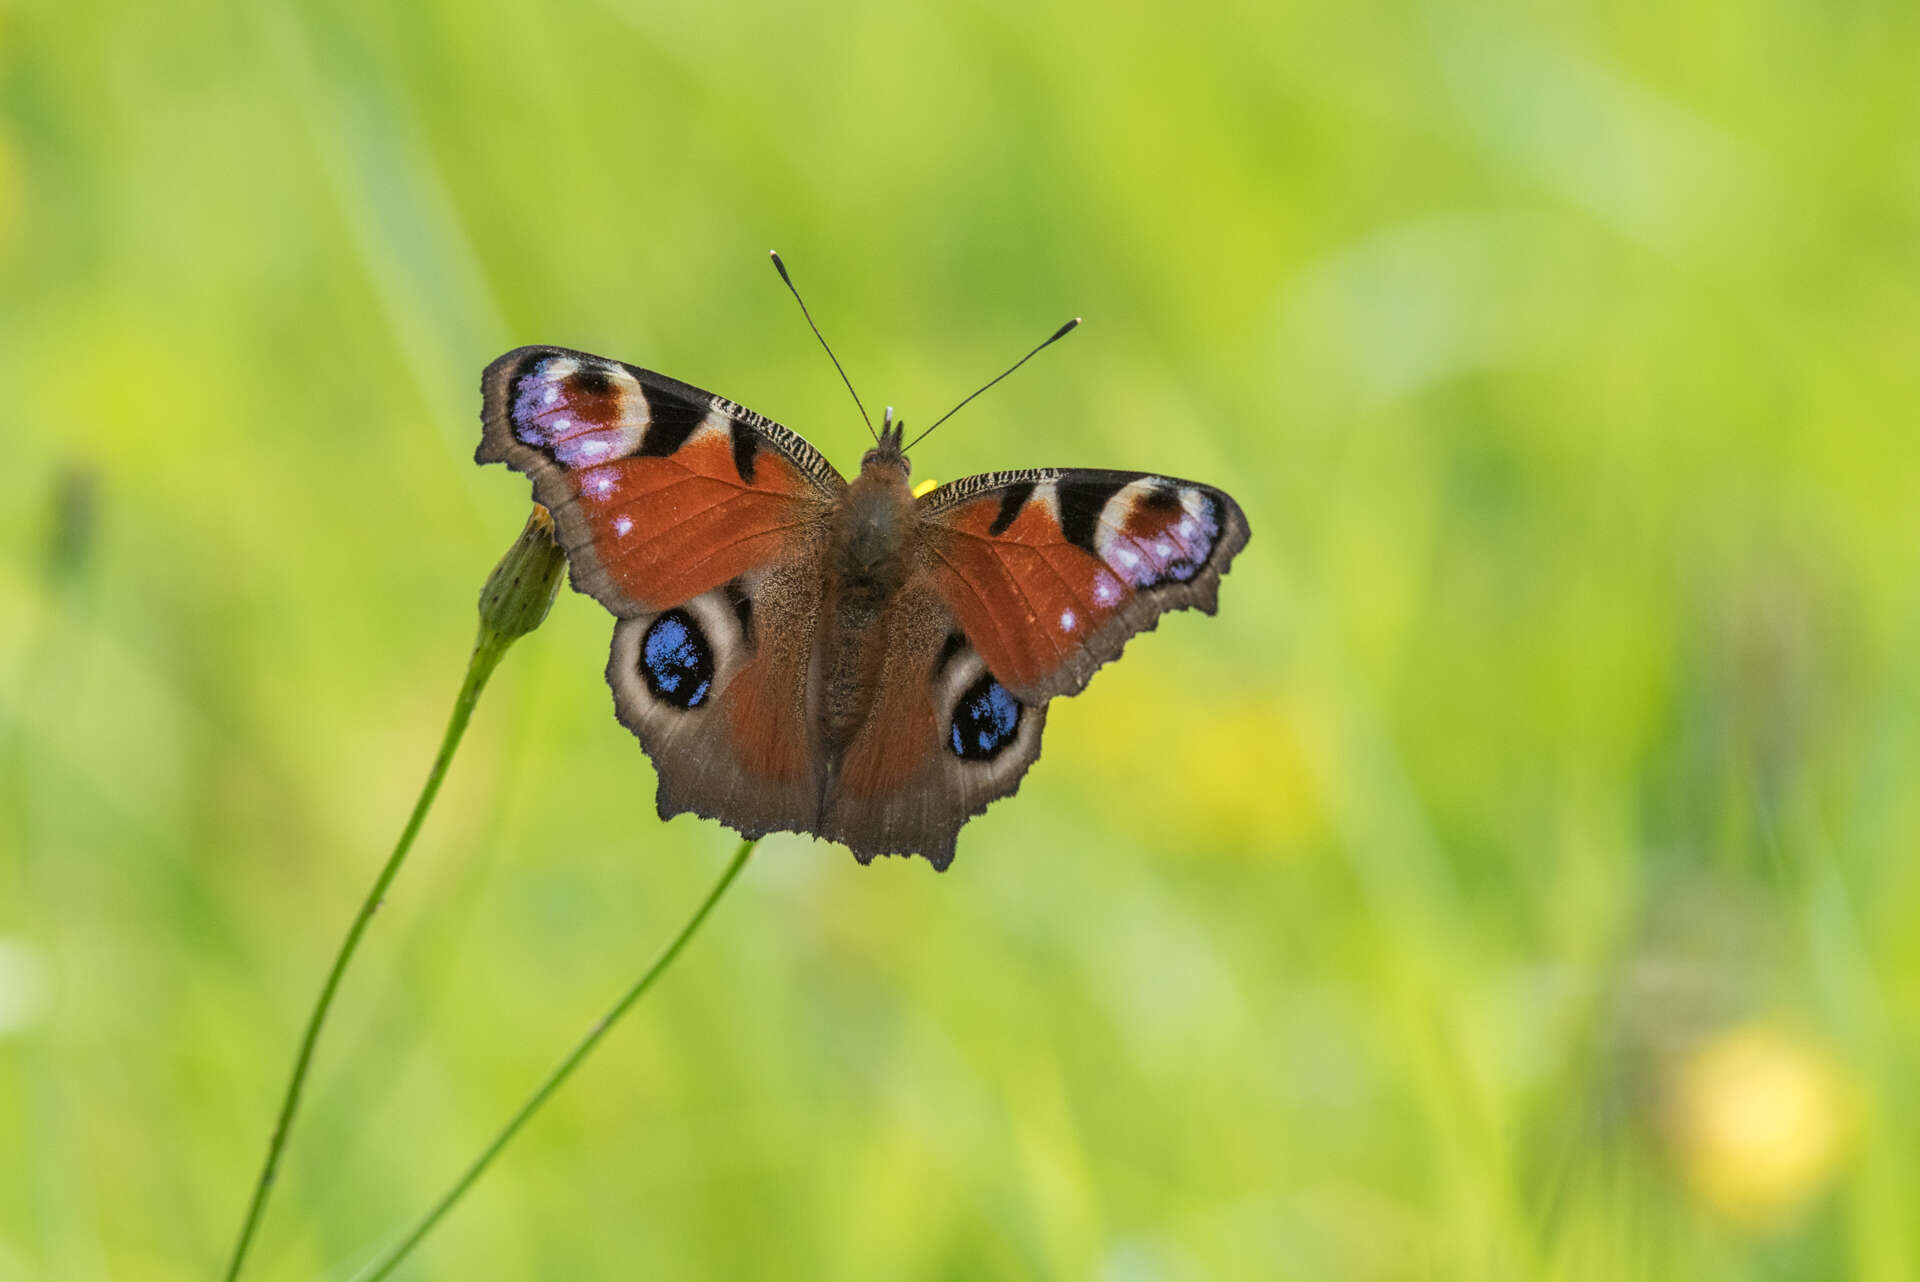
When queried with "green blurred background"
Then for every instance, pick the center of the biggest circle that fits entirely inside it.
(1515, 880)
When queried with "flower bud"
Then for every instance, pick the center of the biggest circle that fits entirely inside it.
(521, 588)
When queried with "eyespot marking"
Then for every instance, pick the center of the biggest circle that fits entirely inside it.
(591, 382)
(576, 412)
(986, 719)
(1148, 548)
(676, 661)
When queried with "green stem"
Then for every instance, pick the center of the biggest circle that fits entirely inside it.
(486, 656)
(400, 1250)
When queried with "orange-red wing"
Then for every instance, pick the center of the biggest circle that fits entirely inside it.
(660, 491)
(1051, 571)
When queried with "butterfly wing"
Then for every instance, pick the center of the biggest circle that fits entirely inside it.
(1050, 572)
(942, 741)
(700, 524)
(704, 526)
(1025, 583)
(718, 691)
(659, 491)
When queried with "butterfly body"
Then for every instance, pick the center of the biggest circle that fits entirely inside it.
(869, 559)
(800, 652)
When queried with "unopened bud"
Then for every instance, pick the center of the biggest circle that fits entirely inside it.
(520, 590)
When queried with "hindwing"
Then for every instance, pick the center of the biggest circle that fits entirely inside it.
(944, 739)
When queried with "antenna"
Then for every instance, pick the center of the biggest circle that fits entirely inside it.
(1058, 334)
(782, 269)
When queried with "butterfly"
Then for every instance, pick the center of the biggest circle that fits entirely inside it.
(800, 652)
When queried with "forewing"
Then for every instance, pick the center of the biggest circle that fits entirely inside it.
(1049, 572)
(659, 491)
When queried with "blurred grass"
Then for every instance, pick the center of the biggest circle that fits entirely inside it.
(1543, 791)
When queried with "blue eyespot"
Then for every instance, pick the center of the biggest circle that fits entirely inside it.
(985, 721)
(676, 661)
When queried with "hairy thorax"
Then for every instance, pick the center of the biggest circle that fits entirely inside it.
(868, 562)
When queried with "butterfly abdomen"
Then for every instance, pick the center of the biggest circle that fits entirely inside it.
(868, 561)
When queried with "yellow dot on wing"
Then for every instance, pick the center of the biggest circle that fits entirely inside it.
(925, 487)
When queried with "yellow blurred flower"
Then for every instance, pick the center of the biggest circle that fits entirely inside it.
(1758, 1120)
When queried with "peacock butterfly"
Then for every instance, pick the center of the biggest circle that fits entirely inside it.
(798, 652)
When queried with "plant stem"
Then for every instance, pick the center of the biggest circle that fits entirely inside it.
(487, 652)
(387, 1262)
